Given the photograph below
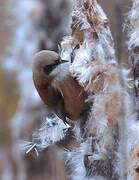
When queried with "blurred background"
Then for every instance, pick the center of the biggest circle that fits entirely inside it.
(27, 26)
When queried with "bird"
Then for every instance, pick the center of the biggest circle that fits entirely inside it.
(57, 88)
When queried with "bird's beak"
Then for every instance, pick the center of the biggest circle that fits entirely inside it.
(64, 61)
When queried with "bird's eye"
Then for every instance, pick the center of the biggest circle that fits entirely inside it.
(48, 69)
(57, 61)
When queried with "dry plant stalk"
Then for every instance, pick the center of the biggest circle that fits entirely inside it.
(133, 46)
(90, 49)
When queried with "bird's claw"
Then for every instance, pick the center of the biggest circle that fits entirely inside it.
(33, 147)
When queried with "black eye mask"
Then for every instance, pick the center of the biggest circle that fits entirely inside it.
(48, 69)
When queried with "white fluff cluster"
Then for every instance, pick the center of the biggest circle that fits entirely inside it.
(66, 48)
(80, 68)
(100, 49)
(132, 147)
(75, 161)
(95, 68)
(51, 131)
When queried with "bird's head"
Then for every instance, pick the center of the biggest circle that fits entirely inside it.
(45, 61)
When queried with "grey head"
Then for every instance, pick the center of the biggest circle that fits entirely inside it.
(45, 61)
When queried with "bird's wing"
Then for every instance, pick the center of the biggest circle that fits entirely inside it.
(52, 96)
(59, 99)
(60, 111)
